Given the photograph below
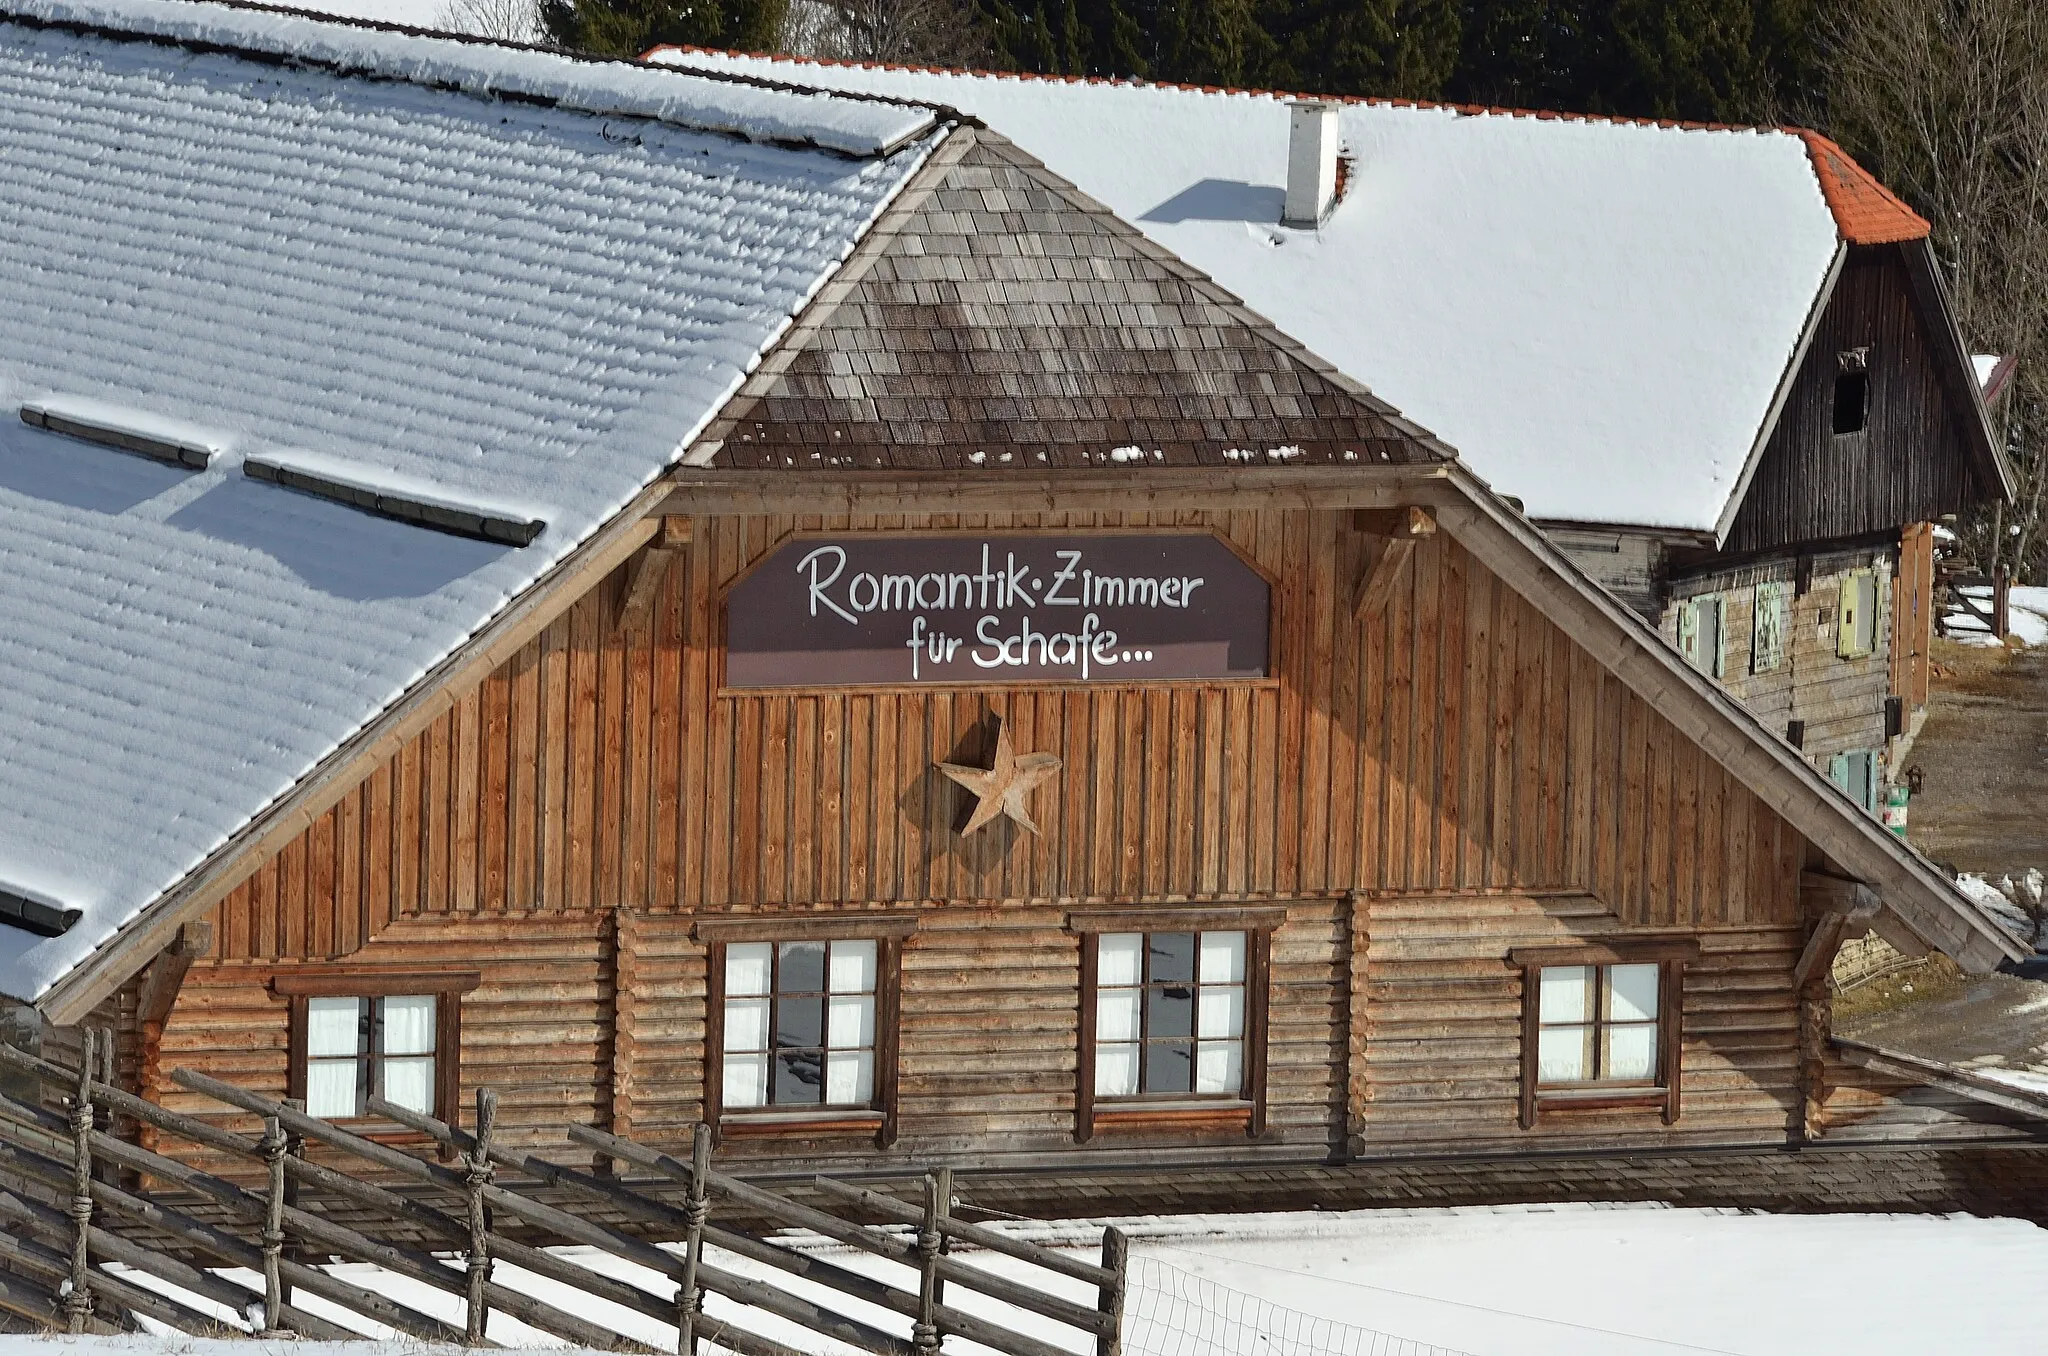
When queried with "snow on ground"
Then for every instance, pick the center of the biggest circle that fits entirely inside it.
(1566, 1280)
(2029, 617)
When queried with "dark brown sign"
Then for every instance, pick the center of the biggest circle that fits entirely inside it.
(844, 611)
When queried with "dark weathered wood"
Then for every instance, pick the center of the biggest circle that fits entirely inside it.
(889, 1208)
(1116, 1254)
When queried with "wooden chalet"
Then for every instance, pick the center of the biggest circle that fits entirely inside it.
(1717, 365)
(937, 679)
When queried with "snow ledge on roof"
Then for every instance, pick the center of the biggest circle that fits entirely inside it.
(852, 126)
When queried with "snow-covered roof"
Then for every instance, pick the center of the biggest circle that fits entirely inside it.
(1595, 313)
(410, 285)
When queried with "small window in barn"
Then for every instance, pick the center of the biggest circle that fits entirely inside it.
(1173, 1020)
(1857, 773)
(1852, 391)
(1699, 634)
(1600, 1026)
(1856, 616)
(355, 1037)
(799, 1025)
(1767, 639)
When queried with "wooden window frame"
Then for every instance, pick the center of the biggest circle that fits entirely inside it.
(882, 1117)
(1845, 631)
(1781, 604)
(1190, 1113)
(1671, 955)
(1686, 632)
(298, 987)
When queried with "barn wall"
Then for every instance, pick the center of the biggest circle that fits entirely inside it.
(565, 825)
(1909, 464)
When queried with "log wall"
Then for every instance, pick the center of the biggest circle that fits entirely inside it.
(563, 827)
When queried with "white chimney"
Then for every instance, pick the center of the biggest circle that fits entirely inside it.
(1311, 162)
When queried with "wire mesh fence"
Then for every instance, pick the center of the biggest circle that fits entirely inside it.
(1170, 1312)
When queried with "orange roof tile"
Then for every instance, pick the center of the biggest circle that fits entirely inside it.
(1865, 211)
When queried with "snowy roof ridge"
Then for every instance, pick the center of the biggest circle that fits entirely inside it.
(732, 104)
(1865, 211)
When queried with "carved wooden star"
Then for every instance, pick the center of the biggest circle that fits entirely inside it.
(1000, 788)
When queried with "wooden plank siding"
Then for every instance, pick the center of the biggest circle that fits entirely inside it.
(598, 795)
(1911, 462)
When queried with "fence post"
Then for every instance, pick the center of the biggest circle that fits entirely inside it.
(78, 1299)
(273, 1147)
(2001, 600)
(294, 1147)
(924, 1334)
(1116, 1259)
(477, 1173)
(945, 1176)
(696, 1211)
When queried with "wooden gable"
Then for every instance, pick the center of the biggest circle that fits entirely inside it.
(1922, 449)
(1001, 319)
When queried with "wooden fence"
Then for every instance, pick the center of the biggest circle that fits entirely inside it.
(78, 1197)
(1986, 598)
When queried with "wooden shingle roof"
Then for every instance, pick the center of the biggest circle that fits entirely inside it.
(1006, 321)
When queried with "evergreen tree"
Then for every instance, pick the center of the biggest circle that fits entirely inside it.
(626, 28)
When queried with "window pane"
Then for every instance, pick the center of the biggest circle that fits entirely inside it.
(409, 1083)
(1566, 993)
(1219, 1068)
(332, 1025)
(800, 1021)
(1223, 958)
(746, 1024)
(1562, 1054)
(1169, 1010)
(1169, 1066)
(1173, 955)
(1631, 1051)
(800, 967)
(331, 1088)
(798, 1077)
(851, 1023)
(1117, 958)
(1116, 1015)
(746, 1080)
(1221, 1012)
(850, 1078)
(1116, 1070)
(853, 967)
(746, 968)
(1632, 993)
(408, 1025)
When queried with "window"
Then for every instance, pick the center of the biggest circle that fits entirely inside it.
(358, 1034)
(1856, 619)
(1169, 1014)
(1600, 1026)
(1856, 772)
(1852, 391)
(1699, 634)
(1767, 642)
(1173, 1018)
(801, 1024)
(357, 1048)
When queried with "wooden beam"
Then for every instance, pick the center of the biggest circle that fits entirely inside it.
(167, 972)
(675, 531)
(701, 491)
(1384, 557)
(643, 584)
(1409, 520)
(1949, 1078)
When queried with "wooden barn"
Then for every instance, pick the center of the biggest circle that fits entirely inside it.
(1717, 365)
(773, 608)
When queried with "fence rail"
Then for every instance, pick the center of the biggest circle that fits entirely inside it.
(71, 1219)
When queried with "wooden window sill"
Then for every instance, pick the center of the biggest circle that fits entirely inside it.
(735, 1125)
(1601, 1099)
(1222, 1114)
